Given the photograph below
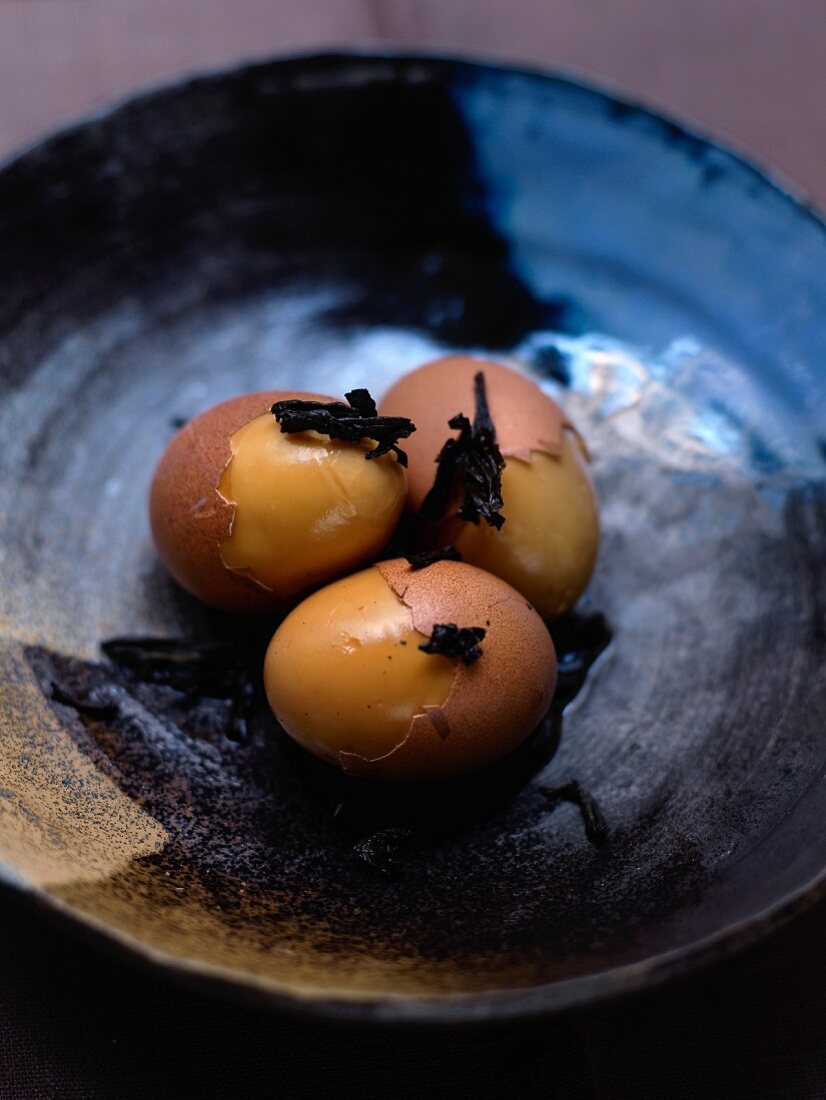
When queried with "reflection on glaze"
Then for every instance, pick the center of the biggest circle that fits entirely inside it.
(686, 406)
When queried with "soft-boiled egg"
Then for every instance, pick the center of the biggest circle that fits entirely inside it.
(547, 545)
(404, 673)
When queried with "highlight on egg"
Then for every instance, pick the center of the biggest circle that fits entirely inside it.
(547, 545)
(248, 517)
(411, 674)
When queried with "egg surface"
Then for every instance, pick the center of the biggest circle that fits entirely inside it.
(547, 546)
(248, 518)
(346, 678)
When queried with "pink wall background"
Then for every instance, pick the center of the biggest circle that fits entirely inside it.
(751, 71)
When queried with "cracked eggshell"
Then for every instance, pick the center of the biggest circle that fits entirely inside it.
(494, 703)
(189, 517)
(526, 419)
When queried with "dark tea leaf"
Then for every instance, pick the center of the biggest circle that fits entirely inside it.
(472, 464)
(449, 640)
(352, 422)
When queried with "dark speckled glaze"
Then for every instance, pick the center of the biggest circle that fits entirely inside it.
(328, 221)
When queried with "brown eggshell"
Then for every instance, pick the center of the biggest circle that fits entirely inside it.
(525, 418)
(190, 518)
(494, 703)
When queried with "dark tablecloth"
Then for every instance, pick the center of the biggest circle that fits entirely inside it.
(76, 1022)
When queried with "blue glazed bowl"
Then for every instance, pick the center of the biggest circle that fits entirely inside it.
(330, 221)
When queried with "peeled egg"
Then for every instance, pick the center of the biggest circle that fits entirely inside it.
(346, 678)
(547, 546)
(248, 518)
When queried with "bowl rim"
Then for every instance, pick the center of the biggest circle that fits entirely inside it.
(599, 88)
(471, 1008)
(518, 1004)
